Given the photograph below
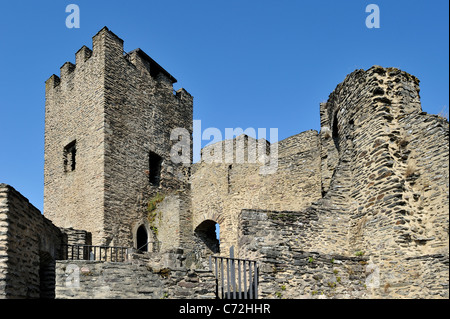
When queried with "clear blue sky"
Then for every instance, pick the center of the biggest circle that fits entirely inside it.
(257, 64)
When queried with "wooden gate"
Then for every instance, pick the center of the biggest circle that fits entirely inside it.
(235, 278)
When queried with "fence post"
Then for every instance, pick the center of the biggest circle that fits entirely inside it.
(239, 279)
(228, 278)
(256, 280)
(245, 280)
(233, 272)
(250, 280)
(222, 275)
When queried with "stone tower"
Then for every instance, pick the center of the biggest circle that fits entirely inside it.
(108, 121)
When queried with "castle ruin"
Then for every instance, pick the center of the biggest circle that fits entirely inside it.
(357, 210)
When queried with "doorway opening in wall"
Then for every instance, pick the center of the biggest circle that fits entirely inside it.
(208, 232)
(142, 239)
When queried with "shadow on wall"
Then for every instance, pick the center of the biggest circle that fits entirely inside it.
(46, 275)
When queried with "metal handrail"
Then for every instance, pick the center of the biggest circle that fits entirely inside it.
(143, 245)
(89, 252)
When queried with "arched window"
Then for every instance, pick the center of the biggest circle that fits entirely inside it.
(142, 239)
(208, 233)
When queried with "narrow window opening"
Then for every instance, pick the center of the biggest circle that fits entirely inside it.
(70, 152)
(336, 132)
(155, 162)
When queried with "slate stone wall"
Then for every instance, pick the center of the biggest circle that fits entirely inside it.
(117, 108)
(136, 279)
(384, 169)
(29, 246)
(221, 190)
(288, 267)
(388, 152)
(74, 112)
(370, 190)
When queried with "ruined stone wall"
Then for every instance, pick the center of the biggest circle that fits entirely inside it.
(221, 190)
(388, 152)
(384, 170)
(289, 269)
(384, 187)
(370, 190)
(426, 169)
(29, 245)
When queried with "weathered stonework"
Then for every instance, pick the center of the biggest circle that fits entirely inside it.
(136, 279)
(118, 109)
(384, 186)
(220, 191)
(382, 191)
(357, 210)
(291, 269)
(29, 246)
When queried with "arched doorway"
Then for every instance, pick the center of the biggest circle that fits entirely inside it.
(142, 239)
(208, 233)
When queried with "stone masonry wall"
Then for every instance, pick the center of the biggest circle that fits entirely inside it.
(133, 280)
(288, 267)
(74, 111)
(388, 152)
(221, 190)
(29, 245)
(359, 210)
(117, 108)
(141, 112)
(76, 237)
(384, 170)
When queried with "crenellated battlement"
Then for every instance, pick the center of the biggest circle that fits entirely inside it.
(66, 70)
(144, 62)
(103, 42)
(82, 55)
(52, 82)
(107, 49)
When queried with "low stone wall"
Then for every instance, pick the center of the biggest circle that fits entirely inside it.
(305, 275)
(288, 269)
(132, 280)
(29, 245)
